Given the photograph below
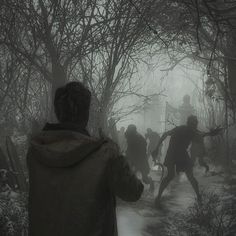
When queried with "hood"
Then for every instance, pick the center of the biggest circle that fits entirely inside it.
(63, 148)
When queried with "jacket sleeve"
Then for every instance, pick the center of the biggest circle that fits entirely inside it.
(123, 182)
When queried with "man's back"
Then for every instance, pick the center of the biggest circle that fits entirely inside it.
(73, 183)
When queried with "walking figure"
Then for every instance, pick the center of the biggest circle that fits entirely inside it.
(154, 139)
(177, 158)
(137, 154)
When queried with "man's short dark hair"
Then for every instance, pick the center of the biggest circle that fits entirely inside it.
(72, 103)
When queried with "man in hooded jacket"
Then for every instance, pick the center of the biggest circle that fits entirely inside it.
(74, 178)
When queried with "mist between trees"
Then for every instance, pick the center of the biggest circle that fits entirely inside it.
(104, 43)
(44, 44)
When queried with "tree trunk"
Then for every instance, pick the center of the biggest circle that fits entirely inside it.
(103, 119)
(232, 68)
(59, 78)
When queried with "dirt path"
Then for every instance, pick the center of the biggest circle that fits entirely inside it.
(142, 219)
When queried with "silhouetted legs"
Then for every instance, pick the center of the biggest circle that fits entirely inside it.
(193, 182)
(165, 182)
(170, 176)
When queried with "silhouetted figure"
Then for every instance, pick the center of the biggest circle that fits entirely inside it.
(122, 140)
(154, 139)
(74, 178)
(185, 110)
(177, 158)
(137, 155)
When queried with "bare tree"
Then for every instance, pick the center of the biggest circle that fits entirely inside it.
(52, 36)
(109, 70)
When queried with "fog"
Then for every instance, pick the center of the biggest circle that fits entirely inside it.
(172, 85)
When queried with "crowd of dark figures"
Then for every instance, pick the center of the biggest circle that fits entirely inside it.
(46, 161)
(139, 149)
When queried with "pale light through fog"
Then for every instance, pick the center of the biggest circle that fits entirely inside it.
(174, 85)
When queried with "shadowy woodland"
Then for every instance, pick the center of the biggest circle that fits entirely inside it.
(44, 44)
